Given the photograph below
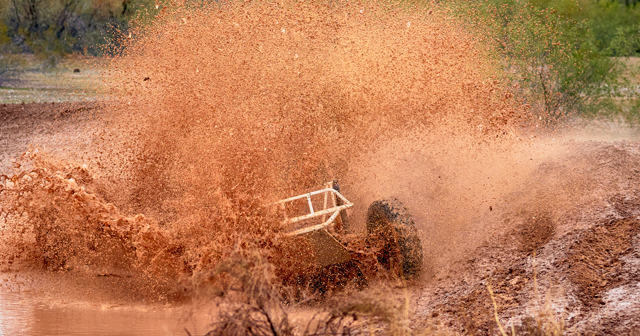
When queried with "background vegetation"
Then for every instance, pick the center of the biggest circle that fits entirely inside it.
(51, 29)
(565, 57)
(63, 26)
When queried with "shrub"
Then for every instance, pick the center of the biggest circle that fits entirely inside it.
(62, 27)
(551, 56)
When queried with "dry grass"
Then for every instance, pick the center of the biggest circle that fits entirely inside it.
(360, 314)
(248, 303)
(545, 321)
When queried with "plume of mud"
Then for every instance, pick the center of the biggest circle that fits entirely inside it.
(279, 96)
(53, 219)
(224, 108)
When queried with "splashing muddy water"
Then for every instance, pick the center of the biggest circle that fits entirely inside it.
(221, 109)
(224, 108)
(269, 99)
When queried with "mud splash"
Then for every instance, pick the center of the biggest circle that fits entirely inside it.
(273, 96)
(222, 109)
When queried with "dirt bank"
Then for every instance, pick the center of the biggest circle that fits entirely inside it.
(565, 255)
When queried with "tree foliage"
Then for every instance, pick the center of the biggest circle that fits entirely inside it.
(553, 55)
(60, 27)
(615, 26)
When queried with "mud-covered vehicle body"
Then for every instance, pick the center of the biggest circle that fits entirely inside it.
(391, 238)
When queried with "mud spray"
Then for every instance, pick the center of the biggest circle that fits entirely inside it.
(218, 110)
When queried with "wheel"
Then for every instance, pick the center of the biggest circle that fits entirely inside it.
(393, 232)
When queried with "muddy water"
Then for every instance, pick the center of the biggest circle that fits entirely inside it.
(219, 112)
(24, 314)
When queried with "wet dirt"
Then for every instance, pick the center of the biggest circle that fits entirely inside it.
(595, 259)
(217, 114)
(567, 265)
(48, 125)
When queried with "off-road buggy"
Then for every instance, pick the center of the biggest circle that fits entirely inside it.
(391, 238)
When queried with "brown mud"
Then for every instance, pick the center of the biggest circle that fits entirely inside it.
(163, 193)
(570, 264)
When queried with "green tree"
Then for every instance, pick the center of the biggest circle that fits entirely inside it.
(610, 20)
(550, 57)
(59, 27)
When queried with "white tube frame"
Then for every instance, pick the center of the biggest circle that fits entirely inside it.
(335, 210)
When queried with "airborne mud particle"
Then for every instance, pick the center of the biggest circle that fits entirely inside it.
(249, 103)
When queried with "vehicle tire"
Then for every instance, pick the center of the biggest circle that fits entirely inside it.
(392, 231)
